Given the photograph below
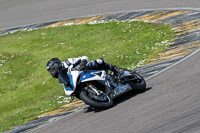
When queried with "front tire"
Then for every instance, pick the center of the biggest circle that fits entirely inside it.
(85, 96)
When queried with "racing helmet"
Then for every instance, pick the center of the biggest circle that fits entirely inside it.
(53, 67)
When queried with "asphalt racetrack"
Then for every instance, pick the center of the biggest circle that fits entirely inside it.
(14, 13)
(172, 103)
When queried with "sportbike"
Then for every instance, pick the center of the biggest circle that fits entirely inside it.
(97, 88)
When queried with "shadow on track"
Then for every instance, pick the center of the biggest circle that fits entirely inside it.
(117, 101)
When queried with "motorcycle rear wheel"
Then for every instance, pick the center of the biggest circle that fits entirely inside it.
(84, 95)
(138, 85)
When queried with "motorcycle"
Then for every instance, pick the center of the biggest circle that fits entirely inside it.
(98, 88)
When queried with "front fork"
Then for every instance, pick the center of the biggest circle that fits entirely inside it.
(92, 89)
(107, 88)
(95, 93)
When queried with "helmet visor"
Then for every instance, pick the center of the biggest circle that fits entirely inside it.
(53, 71)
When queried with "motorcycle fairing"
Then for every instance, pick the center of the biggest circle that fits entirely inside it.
(65, 81)
(84, 77)
(120, 89)
(74, 78)
(92, 75)
(68, 91)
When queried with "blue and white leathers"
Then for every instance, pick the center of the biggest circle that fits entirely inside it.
(72, 61)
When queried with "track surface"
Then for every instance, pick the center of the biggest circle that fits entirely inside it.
(14, 13)
(171, 106)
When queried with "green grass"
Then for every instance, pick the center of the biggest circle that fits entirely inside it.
(27, 90)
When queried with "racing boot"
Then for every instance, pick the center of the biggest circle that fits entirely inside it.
(101, 64)
(117, 70)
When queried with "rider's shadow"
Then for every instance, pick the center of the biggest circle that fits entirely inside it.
(117, 101)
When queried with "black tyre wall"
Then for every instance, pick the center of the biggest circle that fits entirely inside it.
(94, 103)
(139, 86)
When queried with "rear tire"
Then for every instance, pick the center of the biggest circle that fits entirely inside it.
(84, 95)
(139, 85)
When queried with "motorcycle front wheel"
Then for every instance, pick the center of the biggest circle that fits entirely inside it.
(104, 102)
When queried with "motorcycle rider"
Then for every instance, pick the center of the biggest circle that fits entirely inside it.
(80, 63)
(55, 67)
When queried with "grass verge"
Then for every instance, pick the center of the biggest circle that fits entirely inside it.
(27, 90)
